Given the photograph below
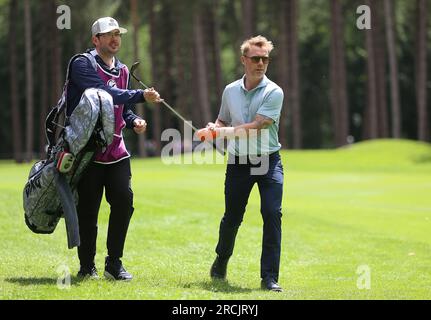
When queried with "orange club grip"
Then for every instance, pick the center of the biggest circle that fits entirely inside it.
(206, 134)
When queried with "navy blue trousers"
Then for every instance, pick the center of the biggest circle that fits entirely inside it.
(114, 179)
(238, 185)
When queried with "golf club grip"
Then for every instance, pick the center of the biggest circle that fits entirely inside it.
(135, 65)
(192, 126)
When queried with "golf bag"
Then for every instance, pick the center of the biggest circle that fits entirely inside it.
(51, 190)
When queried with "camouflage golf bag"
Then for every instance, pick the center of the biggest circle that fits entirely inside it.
(51, 190)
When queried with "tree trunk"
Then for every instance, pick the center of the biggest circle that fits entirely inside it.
(16, 114)
(165, 54)
(370, 125)
(29, 82)
(183, 44)
(156, 118)
(393, 68)
(139, 107)
(54, 43)
(293, 72)
(380, 54)
(201, 69)
(338, 92)
(44, 103)
(421, 71)
(248, 18)
(214, 30)
(283, 70)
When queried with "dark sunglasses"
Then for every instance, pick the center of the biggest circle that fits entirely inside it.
(109, 34)
(256, 59)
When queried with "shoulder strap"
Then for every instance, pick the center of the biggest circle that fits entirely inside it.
(52, 119)
(91, 57)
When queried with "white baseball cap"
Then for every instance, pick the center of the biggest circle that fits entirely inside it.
(106, 24)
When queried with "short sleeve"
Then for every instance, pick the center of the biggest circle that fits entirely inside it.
(224, 114)
(272, 104)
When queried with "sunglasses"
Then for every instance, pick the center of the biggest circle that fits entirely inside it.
(256, 59)
(110, 34)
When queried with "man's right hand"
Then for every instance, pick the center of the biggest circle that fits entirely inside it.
(152, 96)
(206, 134)
(211, 126)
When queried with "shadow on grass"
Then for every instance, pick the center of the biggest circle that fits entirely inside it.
(31, 281)
(422, 159)
(43, 281)
(217, 286)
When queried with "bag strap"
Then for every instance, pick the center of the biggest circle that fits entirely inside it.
(91, 56)
(53, 116)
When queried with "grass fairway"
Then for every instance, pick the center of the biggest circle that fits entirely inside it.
(352, 218)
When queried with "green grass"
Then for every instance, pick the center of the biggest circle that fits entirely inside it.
(368, 204)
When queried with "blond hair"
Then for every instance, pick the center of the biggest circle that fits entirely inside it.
(259, 41)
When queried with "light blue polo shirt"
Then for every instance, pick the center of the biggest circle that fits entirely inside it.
(241, 106)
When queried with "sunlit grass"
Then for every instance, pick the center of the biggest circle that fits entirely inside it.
(365, 205)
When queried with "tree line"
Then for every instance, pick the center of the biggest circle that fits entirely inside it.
(342, 84)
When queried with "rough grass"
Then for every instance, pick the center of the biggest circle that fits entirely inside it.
(364, 207)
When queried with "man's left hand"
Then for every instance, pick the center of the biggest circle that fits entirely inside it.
(140, 126)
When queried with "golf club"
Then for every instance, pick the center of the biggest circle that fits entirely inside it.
(132, 72)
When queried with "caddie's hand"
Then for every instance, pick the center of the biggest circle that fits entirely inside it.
(152, 96)
(206, 134)
(139, 126)
(211, 126)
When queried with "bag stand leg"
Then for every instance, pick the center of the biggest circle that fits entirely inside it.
(69, 210)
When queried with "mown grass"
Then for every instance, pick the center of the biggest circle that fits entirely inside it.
(365, 205)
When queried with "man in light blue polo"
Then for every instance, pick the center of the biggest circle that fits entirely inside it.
(250, 116)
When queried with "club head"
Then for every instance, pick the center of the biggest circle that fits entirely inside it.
(133, 69)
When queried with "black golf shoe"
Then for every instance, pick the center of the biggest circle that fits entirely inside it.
(271, 285)
(219, 269)
(88, 272)
(114, 270)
